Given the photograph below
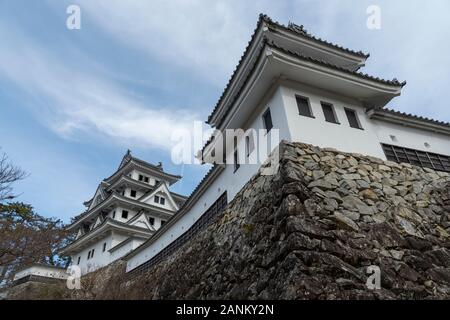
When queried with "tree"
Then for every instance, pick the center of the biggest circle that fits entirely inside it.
(9, 174)
(27, 237)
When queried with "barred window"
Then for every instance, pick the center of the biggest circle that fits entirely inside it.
(328, 112)
(353, 118)
(416, 157)
(304, 108)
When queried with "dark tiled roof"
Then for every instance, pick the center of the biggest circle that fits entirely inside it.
(234, 74)
(413, 116)
(148, 164)
(299, 30)
(273, 45)
(293, 28)
(393, 82)
(128, 158)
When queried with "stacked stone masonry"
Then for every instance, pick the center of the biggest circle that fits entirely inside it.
(310, 231)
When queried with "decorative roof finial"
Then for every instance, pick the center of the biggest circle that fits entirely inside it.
(160, 165)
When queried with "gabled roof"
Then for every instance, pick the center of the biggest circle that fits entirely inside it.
(161, 187)
(141, 216)
(157, 170)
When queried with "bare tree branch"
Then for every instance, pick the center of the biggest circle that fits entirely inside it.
(9, 173)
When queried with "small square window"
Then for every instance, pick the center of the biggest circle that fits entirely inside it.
(163, 222)
(328, 112)
(304, 108)
(156, 199)
(267, 118)
(162, 200)
(152, 221)
(114, 214)
(146, 179)
(352, 118)
(133, 193)
(141, 177)
(124, 214)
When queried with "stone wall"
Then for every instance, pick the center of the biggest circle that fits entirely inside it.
(310, 232)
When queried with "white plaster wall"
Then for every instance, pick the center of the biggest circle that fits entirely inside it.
(167, 205)
(317, 131)
(411, 137)
(228, 180)
(101, 258)
(41, 271)
(341, 136)
(119, 253)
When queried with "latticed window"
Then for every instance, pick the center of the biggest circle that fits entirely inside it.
(416, 157)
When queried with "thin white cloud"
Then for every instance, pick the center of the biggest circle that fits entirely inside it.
(69, 100)
(206, 37)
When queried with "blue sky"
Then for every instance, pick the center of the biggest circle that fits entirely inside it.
(73, 101)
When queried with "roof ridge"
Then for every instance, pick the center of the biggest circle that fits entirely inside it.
(302, 31)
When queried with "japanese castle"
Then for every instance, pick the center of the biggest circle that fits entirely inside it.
(309, 89)
(126, 210)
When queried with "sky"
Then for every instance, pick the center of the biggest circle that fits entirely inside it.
(73, 101)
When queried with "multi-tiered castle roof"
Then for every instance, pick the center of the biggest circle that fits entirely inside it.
(134, 201)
